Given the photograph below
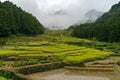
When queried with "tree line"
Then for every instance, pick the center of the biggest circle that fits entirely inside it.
(106, 28)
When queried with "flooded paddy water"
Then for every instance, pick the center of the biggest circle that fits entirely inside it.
(63, 74)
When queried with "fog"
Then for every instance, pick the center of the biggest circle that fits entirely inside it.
(61, 14)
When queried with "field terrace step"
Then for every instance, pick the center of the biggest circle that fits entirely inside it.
(90, 69)
(100, 66)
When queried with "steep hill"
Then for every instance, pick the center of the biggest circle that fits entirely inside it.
(14, 20)
(106, 28)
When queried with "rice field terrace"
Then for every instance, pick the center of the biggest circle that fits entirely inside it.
(52, 47)
(42, 49)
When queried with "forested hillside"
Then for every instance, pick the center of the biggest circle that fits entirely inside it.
(106, 28)
(13, 20)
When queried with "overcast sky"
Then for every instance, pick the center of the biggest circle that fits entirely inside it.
(62, 13)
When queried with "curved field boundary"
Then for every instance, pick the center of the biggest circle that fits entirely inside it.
(92, 68)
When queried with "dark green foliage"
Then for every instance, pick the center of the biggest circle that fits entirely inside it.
(2, 42)
(10, 75)
(75, 64)
(4, 31)
(1, 63)
(6, 74)
(106, 28)
(13, 20)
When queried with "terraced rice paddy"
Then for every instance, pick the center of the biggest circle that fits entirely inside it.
(52, 48)
(49, 49)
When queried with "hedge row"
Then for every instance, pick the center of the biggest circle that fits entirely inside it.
(39, 68)
(12, 75)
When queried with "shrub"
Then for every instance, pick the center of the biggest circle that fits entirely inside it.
(12, 75)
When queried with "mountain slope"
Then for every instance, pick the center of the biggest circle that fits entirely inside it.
(106, 28)
(14, 20)
(93, 14)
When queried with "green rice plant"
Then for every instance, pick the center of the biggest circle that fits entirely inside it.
(32, 61)
(54, 47)
(91, 54)
(1, 63)
(19, 63)
(25, 63)
(2, 78)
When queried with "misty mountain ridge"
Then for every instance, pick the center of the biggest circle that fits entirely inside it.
(59, 12)
(93, 15)
(88, 17)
